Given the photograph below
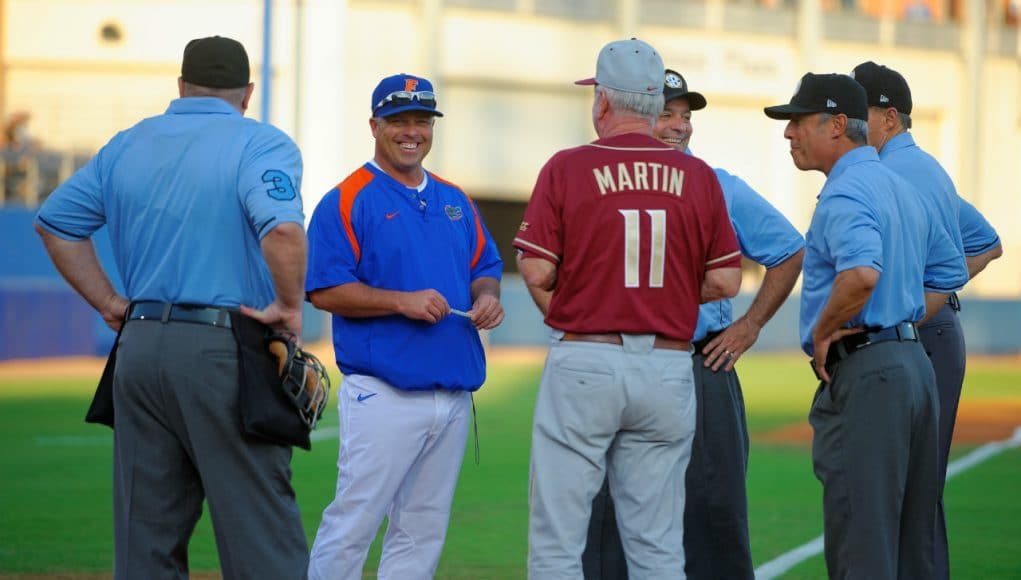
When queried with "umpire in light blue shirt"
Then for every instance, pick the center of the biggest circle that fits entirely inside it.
(889, 99)
(873, 250)
(205, 218)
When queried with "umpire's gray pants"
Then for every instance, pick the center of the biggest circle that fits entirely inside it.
(875, 452)
(943, 340)
(623, 411)
(716, 542)
(177, 439)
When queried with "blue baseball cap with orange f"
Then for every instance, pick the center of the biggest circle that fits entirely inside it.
(403, 92)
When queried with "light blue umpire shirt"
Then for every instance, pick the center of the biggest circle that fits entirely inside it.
(764, 235)
(921, 170)
(960, 218)
(187, 196)
(977, 234)
(867, 216)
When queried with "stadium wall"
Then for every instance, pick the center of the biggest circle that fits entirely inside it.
(41, 316)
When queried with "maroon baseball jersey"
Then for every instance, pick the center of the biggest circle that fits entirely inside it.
(632, 225)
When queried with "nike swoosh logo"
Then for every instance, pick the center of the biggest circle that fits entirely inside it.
(391, 216)
(363, 396)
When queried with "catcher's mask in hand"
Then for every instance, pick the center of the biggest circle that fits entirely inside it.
(303, 378)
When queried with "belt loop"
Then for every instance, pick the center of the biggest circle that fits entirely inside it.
(221, 315)
(842, 351)
(955, 302)
(165, 317)
(638, 343)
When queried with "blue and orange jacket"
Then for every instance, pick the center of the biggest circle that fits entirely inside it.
(372, 229)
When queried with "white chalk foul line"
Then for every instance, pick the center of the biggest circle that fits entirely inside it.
(783, 563)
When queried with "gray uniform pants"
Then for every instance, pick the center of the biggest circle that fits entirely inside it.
(716, 543)
(177, 440)
(875, 451)
(623, 411)
(943, 340)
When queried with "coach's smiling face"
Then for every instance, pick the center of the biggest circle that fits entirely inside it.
(402, 142)
(673, 126)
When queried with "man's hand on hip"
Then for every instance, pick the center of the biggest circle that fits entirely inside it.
(114, 311)
(280, 318)
(725, 349)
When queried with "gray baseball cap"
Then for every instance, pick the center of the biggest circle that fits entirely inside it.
(631, 66)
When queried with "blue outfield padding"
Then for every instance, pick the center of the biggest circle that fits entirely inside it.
(40, 315)
(30, 283)
(43, 318)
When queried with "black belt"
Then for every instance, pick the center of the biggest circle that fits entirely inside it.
(843, 348)
(164, 312)
(701, 344)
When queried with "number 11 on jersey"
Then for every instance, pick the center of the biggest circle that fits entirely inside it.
(632, 246)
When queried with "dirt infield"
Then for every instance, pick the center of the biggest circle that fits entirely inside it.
(978, 421)
(50, 368)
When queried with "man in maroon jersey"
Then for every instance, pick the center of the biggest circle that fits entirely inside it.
(622, 240)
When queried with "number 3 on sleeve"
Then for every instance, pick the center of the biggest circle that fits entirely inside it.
(282, 188)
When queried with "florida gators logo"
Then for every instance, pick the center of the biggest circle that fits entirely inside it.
(453, 212)
(410, 85)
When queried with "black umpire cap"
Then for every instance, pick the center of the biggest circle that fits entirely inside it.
(675, 87)
(827, 93)
(884, 86)
(216, 62)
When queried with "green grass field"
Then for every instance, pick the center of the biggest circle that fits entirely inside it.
(55, 506)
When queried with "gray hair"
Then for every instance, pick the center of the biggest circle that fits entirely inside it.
(857, 129)
(232, 96)
(638, 104)
(905, 120)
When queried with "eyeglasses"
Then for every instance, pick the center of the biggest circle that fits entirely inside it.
(401, 98)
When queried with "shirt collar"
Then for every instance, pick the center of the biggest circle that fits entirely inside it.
(193, 105)
(899, 141)
(857, 155)
(642, 140)
(420, 187)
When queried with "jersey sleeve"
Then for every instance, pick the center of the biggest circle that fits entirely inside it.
(723, 250)
(763, 233)
(332, 259)
(851, 232)
(945, 268)
(488, 261)
(978, 235)
(269, 181)
(76, 209)
(540, 234)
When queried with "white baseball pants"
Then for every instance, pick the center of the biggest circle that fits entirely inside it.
(400, 456)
